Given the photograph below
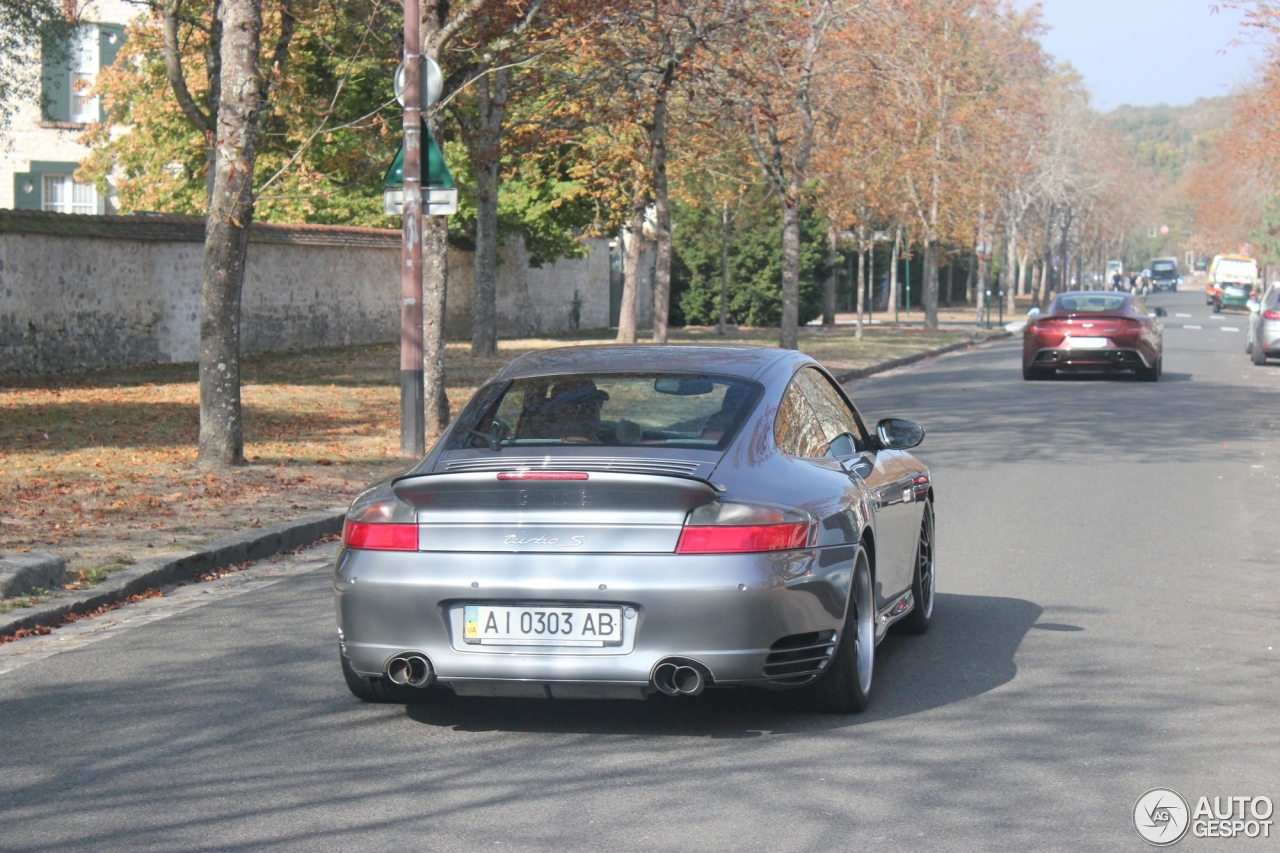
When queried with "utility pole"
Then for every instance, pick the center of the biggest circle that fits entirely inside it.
(412, 413)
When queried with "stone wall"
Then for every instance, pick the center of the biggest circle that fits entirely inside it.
(91, 292)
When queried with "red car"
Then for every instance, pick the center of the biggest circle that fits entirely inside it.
(1094, 332)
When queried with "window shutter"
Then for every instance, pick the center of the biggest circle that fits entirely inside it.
(110, 40)
(55, 77)
(28, 193)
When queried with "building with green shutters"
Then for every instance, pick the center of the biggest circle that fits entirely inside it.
(37, 168)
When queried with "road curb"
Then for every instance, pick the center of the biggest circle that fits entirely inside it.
(175, 567)
(881, 367)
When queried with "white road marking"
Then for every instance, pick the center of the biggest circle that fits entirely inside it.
(1230, 329)
(1182, 315)
(1216, 317)
(1192, 327)
(176, 600)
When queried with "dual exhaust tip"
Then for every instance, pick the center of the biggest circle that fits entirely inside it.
(410, 670)
(673, 678)
(678, 679)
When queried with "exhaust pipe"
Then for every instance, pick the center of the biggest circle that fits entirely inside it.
(688, 681)
(410, 670)
(678, 679)
(664, 678)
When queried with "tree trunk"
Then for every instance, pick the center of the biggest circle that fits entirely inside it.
(486, 158)
(724, 270)
(227, 236)
(633, 246)
(931, 284)
(980, 258)
(1010, 264)
(789, 334)
(892, 304)
(862, 280)
(968, 279)
(829, 289)
(435, 288)
(1046, 259)
(662, 213)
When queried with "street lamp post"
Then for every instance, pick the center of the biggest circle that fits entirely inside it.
(412, 406)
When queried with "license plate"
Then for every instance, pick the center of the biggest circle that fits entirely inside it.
(1086, 343)
(1235, 291)
(542, 626)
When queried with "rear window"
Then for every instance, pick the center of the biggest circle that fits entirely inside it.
(1163, 267)
(1089, 303)
(691, 411)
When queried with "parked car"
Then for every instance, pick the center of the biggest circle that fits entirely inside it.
(1263, 336)
(1233, 281)
(613, 522)
(1094, 332)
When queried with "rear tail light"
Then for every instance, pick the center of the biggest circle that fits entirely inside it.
(380, 521)
(380, 537)
(734, 528)
(1272, 314)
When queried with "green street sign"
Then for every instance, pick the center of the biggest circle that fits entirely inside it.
(434, 171)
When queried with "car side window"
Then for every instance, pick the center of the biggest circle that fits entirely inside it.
(815, 421)
(797, 429)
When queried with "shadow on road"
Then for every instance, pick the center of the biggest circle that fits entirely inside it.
(969, 651)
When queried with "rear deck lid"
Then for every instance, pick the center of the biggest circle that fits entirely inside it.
(554, 511)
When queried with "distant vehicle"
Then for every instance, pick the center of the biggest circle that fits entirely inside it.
(1233, 281)
(1263, 338)
(1164, 274)
(1094, 333)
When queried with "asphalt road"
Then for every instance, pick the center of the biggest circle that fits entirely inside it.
(1107, 623)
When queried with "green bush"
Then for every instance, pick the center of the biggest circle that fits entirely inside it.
(755, 262)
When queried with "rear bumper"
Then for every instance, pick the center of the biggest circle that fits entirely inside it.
(1091, 359)
(722, 611)
(1267, 333)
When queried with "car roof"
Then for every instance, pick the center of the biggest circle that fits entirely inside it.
(729, 359)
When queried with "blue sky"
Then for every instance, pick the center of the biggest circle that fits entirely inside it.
(1146, 52)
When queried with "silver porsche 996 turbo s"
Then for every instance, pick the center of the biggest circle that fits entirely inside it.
(611, 522)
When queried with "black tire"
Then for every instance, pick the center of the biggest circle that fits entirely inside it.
(923, 579)
(1258, 355)
(1150, 374)
(845, 688)
(379, 691)
(1032, 374)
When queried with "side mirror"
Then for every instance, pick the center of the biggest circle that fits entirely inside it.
(1159, 312)
(1034, 312)
(897, 434)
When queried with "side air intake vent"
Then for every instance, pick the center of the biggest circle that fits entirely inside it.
(619, 465)
(800, 657)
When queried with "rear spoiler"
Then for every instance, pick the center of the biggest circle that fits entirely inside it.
(544, 490)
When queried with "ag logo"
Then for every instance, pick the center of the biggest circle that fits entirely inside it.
(1161, 817)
